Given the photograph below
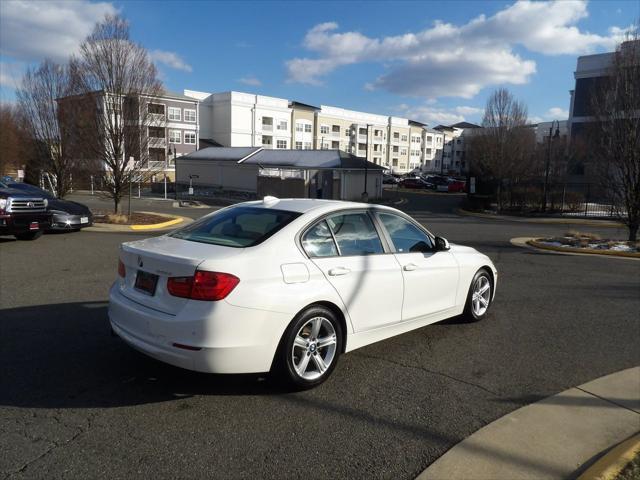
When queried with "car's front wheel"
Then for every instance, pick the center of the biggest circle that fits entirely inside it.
(310, 348)
(479, 296)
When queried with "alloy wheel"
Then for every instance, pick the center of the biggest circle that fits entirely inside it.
(314, 348)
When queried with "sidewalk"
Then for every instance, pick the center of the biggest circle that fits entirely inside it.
(545, 220)
(550, 439)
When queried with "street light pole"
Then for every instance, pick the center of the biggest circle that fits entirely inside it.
(548, 162)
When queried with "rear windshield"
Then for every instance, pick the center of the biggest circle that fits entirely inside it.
(237, 227)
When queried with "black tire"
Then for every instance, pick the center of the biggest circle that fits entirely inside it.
(470, 313)
(284, 366)
(29, 235)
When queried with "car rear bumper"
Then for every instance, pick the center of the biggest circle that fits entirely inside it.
(229, 339)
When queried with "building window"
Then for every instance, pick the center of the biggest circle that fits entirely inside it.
(267, 140)
(307, 145)
(282, 144)
(396, 136)
(155, 108)
(325, 146)
(174, 114)
(404, 138)
(175, 136)
(335, 145)
(189, 115)
(395, 149)
(403, 151)
(190, 138)
(324, 129)
(299, 127)
(298, 145)
(335, 129)
(394, 162)
(282, 125)
(156, 132)
(428, 151)
(307, 127)
(429, 140)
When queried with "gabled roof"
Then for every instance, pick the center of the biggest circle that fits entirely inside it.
(302, 159)
(304, 106)
(231, 154)
(465, 125)
(415, 123)
(442, 127)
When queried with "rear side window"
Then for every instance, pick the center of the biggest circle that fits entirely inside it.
(237, 227)
(318, 241)
(355, 234)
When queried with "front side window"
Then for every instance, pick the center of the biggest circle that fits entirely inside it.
(405, 236)
(237, 227)
(355, 234)
(318, 241)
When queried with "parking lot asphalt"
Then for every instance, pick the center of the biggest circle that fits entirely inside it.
(77, 403)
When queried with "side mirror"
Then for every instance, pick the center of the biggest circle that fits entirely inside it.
(442, 244)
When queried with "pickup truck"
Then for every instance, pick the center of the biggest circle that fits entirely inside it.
(23, 215)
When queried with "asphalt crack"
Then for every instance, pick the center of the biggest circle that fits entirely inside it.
(426, 370)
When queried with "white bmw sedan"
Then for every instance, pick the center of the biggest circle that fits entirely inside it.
(289, 285)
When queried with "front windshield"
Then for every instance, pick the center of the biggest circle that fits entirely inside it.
(237, 227)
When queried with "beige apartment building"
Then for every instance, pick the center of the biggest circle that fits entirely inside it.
(236, 119)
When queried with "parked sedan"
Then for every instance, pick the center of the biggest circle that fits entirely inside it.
(66, 215)
(288, 285)
(413, 183)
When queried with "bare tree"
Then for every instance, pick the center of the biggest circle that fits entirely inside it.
(501, 150)
(115, 81)
(615, 134)
(37, 99)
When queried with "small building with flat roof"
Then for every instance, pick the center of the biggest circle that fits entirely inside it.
(254, 172)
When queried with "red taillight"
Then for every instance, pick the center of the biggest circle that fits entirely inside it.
(121, 270)
(203, 285)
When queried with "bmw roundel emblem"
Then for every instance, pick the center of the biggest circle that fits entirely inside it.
(30, 204)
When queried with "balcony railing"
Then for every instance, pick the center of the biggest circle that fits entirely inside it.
(362, 138)
(155, 142)
(266, 127)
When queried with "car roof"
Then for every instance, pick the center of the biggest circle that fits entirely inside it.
(304, 205)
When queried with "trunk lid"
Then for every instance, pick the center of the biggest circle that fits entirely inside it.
(164, 257)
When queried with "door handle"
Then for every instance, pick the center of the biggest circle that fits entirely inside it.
(410, 267)
(335, 272)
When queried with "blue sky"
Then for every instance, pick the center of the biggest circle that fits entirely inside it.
(432, 61)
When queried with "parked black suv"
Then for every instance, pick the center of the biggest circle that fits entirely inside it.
(21, 214)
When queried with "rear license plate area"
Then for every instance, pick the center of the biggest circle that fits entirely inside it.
(146, 282)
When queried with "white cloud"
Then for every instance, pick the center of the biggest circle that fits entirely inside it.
(557, 113)
(170, 59)
(250, 80)
(11, 74)
(455, 60)
(35, 30)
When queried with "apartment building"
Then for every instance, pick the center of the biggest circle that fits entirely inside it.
(237, 119)
(400, 145)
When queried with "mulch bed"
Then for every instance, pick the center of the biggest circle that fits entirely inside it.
(136, 218)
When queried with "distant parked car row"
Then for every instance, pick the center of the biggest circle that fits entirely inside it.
(27, 211)
(439, 183)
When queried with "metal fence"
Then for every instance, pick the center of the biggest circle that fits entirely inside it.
(571, 199)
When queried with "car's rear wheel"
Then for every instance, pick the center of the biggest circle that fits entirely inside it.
(310, 348)
(29, 235)
(479, 296)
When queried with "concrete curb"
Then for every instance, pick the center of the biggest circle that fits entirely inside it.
(174, 220)
(525, 242)
(549, 439)
(549, 221)
(586, 251)
(613, 462)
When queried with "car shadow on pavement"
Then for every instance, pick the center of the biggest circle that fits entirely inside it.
(64, 356)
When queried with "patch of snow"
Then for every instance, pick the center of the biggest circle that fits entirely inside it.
(621, 247)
